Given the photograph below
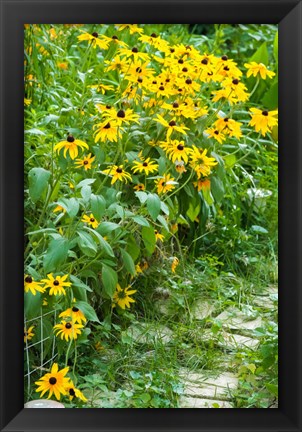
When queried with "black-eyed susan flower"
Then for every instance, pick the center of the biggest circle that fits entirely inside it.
(121, 116)
(75, 314)
(85, 162)
(31, 285)
(94, 39)
(59, 209)
(174, 264)
(56, 285)
(201, 163)
(68, 330)
(171, 126)
(117, 63)
(165, 184)
(180, 166)
(202, 184)
(55, 382)
(139, 187)
(176, 150)
(117, 173)
(102, 88)
(217, 134)
(114, 40)
(90, 220)
(159, 236)
(146, 166)
(28, 334)
(70, 145)
(258, 69)
(107, 131)
(263, 120)
(229, 126)
(133, 28)
(122, 297)
(134, 53)
(72, 392)
(27, 101)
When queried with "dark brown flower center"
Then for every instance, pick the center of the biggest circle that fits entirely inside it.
(108, 106)
(180, 90)
(71, 392)
(56, 282)
(180, 147)
(226, 68)
(107, 126)
(265, 113)
(119, 170)
(75, 309)
(134, 50)
(224, 57)
(185, 69)
(121, 114)
(68, 325)
(180, 61)
(28, 279)
(235, 81)
(154, 35)
(216, 132)
(168, 80)
(138, 69)
(204, 61)
(140, 186)
(154, 82)
(172, 123)
(226, 119)
(175, 105)
(172, 50)
(92, 220)
(161, 88)
(140, 80)
(85, 162)
(52, 380)
(145, 164)
(114, 37)
(95, 34)
(70, 138)
(188, 81)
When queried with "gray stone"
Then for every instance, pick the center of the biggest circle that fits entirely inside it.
(233, 318)
(43, 403)
(192, 402)
(146, 333)
(231, 341)
(202, 309)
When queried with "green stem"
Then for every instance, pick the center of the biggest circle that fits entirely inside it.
(67, 352)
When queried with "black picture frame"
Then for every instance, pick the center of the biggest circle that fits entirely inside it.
(14, 14)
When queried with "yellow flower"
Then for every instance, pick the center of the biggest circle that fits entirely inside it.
(133, 28)
(171, 126)
(28, 334)
(94, 39)
(57, 284)
(62, 65)
(114, 40)
(139, 187)
(117, 173)
(180, 166)
(159, 236)
(216, 134)
(74, 392)
(155, 41)
(122, 297)
(135, 53)
(176, 150)
(32, 286)
(117, 63)
(27, 101)
(90, 220)
(145, 166)
(121, 116)
(55, 382)
(59, 208)
(102, 87)
(258, 69)
(75, 314)
(229, 126)
(202, 185)
(68, 330)
(201, 163)
(175, 263)
(263, 121)
(71, 145)
(165, 184)
(85, 162)
(107, 131)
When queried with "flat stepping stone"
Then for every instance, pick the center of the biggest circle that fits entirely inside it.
(202, 309)
(264, 302)
(233, 318)
(199, 384)
(231, 341)
(192, 402)
(146, 333)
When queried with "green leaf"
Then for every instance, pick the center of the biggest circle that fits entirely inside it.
(142, 196)
(78, 283)
(193, 212)
(107, 227)
(153, 205)
(56, 254)
(86, 193)
(261, 55)
(149, 239)
(259, 229)
(128, 261)
(275, 47)
(132, 248)
(272, 388)
(141, 220)
(217, 189)
(87, 310)
(106, 246)
(71, 205)
(109, 279)
(38, 180)
(229, 160)
(163, 221)
(87, 244)
(32, 305)
(98, 206)
(34, 132)
(270, 99)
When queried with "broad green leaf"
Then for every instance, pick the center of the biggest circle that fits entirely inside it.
(261, 55)
(272, 388)
(229, 160)
(128, 261)
(259, 229)
(132, 248)
(32, 305)
(275, 48)
(217, 189)
(105, 245)
(77, 282)
(193, 212)
(142, 196)
(56, 254)
(87, 244)
(163, 221)
(141, 220)
(149, 239)
(270, 99)
(107, 227)
(71, 205)
(153, 205)
(87, 310)
(38, 180)
(98, 206)
(109, 279)
(34, 132)
(86, 193)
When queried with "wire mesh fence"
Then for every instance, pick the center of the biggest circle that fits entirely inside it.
(39, 354)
